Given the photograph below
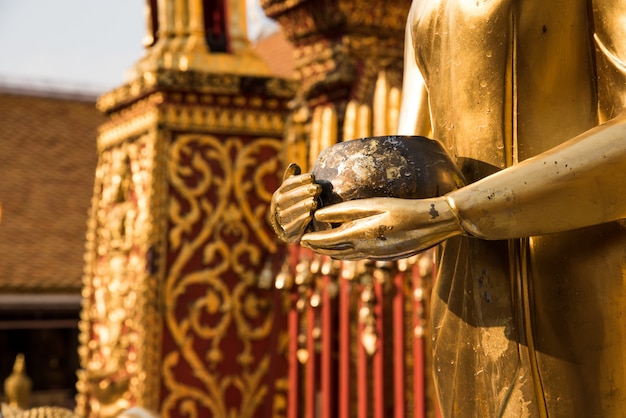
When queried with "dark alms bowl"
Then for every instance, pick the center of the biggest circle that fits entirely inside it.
(410, 167)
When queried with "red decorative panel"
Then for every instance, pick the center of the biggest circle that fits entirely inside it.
(224, 341)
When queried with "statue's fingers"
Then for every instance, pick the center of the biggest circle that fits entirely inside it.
(348, 233)
(340, 253)
(295, 211)
(306, 193)
(336, 239)
(342, 250)
(322, 243)
(297, 181)
(345, 211)
(293, 228)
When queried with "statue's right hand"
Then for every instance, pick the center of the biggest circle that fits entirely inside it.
(293, 204)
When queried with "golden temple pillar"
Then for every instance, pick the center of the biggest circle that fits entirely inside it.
(174, 317)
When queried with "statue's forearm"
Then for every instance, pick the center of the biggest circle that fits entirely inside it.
(580, 183)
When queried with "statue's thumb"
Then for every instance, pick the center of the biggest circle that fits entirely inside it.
(292, 170)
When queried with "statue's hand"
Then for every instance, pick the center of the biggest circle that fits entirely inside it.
(293, 204)
(383, 228)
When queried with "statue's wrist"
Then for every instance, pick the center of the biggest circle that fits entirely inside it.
(454, 210)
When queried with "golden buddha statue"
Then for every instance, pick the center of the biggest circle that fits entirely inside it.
(529, 308)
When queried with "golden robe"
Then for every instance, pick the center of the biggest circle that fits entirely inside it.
(530, 327)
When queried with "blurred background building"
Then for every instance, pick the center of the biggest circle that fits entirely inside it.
(47, 159)
(58, 58)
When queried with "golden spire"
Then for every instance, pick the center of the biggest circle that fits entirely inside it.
(197, 35)
(18, 385)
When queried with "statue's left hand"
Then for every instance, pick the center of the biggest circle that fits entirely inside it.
(382, 228)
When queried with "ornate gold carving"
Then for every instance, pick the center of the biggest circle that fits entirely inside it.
(181, 111)
(231, 179)
(341, 45)
(200, 83)
(302, 18)
(218, 243)
(180, 42)
(39, 412)
(223, 119)
(116, 335)
(132, 122)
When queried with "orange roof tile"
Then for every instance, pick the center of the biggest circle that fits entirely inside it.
(47, 164)
(277, 52)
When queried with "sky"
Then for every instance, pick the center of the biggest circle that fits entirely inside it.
(78, 45)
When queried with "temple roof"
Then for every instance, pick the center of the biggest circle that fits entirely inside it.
(47, 164)
(276, 51)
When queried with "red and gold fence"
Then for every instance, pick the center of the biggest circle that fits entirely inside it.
(358, 337)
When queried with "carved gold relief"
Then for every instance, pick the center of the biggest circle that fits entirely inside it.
(180, 41)
(222, 113)
(117, 285)
(200, 83)
(218, 246)
(223, 119)
(131, 122)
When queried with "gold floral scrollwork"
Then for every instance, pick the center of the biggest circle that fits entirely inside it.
(216, 317)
